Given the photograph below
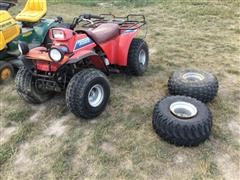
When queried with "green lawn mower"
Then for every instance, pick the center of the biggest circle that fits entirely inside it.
(28, 26)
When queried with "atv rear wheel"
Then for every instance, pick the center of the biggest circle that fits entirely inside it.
(88, 93)
(27, 89)
(138, 57)
(193, 83)
(182, 120)
(6, 72)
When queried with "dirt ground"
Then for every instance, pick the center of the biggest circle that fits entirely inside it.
(48, 142)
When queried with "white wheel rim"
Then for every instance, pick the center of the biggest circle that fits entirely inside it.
(96, 95)
(142, 57)
(193, 76)
(183, 110)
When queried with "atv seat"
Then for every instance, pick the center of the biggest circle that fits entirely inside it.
(33, 11)
(104, 32)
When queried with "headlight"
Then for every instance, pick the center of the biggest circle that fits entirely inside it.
(23, 47)
(56, 54)
(58, 34)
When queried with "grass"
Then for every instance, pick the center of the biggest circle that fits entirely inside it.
(18, 115)
(8, 149)
(135, 3)
(50, 143)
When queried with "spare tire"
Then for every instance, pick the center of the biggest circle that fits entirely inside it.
(182, 121)
(193, 83)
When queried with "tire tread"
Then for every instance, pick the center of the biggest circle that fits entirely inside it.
(191, 134)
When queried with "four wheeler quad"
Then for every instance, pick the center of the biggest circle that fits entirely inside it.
(79, 60)
(32, 30)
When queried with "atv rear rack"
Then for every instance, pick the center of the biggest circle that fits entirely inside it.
(130, 22)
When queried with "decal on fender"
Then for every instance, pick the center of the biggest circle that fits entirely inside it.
(82, 42)
(130, 31)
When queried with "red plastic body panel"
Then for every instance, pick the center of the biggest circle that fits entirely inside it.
(47, 66)
(73, 40)
(68, 34)
(41, 59)
(117, 49)
(38, 53)
(81, 46)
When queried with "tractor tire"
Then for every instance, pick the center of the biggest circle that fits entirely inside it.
(25, 85)
(193, 83)
(6, 72)
(182, 120)
(88, 93)
(138, 57)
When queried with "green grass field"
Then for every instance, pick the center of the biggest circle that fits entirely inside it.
(48, 142)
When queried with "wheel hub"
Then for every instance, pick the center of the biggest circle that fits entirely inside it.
(6, 74)
(142, 57)
(183, 110)
(96, 95)
(193, 76)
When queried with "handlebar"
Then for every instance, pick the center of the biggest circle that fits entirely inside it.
(84, 17)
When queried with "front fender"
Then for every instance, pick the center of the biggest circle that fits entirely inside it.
(95, 59)
(80, 55)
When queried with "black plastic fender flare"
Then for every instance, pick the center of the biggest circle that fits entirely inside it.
(90, 54)
(76, 60)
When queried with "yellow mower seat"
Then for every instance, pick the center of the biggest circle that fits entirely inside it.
(33, 11)
(9, 29)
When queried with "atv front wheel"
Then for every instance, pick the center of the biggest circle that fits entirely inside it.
(88, 93)
(193, 83)
(182, 120)
(27, 88)
(138, 57)
(6, 72)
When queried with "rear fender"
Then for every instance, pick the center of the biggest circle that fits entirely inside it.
(117, 49)
(125, 41)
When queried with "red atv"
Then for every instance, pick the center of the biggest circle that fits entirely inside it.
(79, 60)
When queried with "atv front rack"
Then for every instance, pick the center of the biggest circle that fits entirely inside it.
(130, 22)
